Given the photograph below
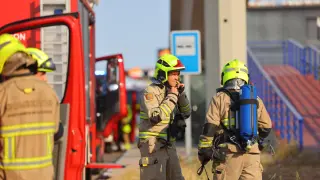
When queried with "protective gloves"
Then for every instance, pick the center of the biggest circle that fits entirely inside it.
(205, 155)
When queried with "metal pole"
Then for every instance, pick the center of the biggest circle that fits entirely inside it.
(186, 17)
(188, 133)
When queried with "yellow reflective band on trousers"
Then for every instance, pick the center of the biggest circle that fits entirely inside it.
(9, 134)
(145, 135)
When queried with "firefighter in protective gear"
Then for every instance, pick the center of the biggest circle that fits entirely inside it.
(126, 128)
(45, 64)
(230, 161)
(161, 101)
(29, 115)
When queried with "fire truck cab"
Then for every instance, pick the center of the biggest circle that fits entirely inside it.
(65, 30)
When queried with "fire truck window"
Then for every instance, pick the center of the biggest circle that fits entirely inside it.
(107, 90)
(55, 42)
(101, 77)
(113, 78)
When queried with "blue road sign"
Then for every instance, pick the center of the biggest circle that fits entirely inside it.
(186, 46)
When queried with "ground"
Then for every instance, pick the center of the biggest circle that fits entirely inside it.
(287, 164)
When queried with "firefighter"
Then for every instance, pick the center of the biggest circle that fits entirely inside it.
(220, 142)
(161, 101)
(126, 128)
(29, 115)
(45, 64)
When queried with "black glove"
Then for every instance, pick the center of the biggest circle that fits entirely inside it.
(173, 130)
(178, 125)
(179, 120)
(218, 155)
(205, 155)
(181, 89)
(181, 125)
(261, 144)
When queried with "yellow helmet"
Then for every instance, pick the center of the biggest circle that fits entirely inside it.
(165, 64)
(9, 45)
(234, 69)
(45, 64)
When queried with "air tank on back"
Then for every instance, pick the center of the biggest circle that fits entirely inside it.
(248, 114)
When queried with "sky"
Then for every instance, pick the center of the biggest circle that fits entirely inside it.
(137, 29)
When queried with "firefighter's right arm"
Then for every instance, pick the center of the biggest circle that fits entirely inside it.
(157, 112)
(209, 129)
(212, 123)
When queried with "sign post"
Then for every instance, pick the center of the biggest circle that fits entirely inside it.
(186, 46)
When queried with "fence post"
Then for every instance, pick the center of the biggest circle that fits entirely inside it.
(279, 114)
(284, 52)
(315, 65)
(288, 128)
(291, 54)
(300, 133)
(296, 58)
(310, 59)
(303, 61)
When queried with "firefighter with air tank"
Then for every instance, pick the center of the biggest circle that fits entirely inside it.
(236, 124)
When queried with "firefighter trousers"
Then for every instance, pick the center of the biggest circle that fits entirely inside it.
(159, 162)
(239, 166)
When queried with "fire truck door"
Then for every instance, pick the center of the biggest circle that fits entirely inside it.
(61, 40)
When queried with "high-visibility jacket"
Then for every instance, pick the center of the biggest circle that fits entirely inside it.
(29, 118)
(126, 126)
(159, 106)
(128, 118)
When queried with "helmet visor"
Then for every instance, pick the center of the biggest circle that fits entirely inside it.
(47, 66)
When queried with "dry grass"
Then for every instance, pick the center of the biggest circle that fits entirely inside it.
(286, 164)
(189, 169)
(290, 164)
(191, 166)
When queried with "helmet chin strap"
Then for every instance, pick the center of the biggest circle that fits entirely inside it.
(166, 84)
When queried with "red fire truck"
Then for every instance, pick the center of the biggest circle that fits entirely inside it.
(65, 30)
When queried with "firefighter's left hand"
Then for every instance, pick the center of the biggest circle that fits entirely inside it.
(180, 123)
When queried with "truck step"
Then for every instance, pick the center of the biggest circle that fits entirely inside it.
(104, 166)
